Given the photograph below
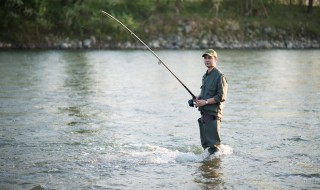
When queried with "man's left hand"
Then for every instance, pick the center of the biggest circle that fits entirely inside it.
(200, 103)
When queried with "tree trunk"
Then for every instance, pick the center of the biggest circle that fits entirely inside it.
(310, 4)
(248, 5)
(178, 9)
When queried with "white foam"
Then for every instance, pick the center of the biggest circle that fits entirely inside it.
(188, 157)
(223, 150)
(145, 153)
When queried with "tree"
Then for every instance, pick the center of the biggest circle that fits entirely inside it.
(310, 5)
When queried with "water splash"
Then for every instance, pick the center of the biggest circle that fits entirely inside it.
(223, 150)
(150, 154)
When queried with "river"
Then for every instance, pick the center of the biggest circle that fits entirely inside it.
(117, 120)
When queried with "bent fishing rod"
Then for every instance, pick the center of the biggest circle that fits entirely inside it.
(160, 61)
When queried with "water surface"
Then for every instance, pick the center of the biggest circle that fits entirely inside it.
(118, 120)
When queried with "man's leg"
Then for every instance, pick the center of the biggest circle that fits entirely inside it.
(203, 137)
(212, 133)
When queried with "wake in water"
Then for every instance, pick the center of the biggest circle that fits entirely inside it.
(147, 154)
(223, 150)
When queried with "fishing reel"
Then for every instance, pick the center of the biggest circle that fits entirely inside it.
(191, 103)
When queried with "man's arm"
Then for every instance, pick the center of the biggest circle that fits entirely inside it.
(222, 90)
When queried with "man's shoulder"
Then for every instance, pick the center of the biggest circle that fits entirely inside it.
(221, 75)
(218, 71)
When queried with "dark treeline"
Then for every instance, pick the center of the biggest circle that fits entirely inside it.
(53, 21)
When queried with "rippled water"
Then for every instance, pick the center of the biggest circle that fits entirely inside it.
(117, 120)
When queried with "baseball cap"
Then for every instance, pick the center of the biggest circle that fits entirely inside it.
(211, 53)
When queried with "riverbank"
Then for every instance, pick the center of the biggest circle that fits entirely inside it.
(161, 24)
(172, 42)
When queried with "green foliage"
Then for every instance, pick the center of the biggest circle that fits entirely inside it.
(33, 20)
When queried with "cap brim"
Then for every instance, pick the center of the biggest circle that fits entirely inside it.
(206, 54)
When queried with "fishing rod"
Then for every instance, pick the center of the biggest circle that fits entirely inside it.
(160, 61)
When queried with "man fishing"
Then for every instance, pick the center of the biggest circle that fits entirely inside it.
(210, 102)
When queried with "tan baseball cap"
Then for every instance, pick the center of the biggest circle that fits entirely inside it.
(211, 53)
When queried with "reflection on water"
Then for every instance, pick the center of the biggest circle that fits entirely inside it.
(78, 81)
(211, 174)
(78, 71)
(117, 120)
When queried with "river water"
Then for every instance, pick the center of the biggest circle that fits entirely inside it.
(118, 120)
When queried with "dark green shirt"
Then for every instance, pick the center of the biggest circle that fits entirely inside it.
(214, 85)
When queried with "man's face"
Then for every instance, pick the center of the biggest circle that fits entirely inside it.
(209, 61)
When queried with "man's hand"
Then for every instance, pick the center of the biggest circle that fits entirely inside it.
(200, 103)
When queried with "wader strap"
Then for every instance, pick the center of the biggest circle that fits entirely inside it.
(207, 118)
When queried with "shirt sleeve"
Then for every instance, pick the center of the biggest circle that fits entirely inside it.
(222, 90)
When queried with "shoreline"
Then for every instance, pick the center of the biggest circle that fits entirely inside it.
(157, 44)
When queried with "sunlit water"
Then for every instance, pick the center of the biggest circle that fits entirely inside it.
(118, 120)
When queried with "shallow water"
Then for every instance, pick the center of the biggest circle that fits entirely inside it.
(118, 120)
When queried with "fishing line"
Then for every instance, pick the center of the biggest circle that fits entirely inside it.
(160, 61)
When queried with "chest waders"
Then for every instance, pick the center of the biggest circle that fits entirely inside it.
(209, 132)
(209, 123)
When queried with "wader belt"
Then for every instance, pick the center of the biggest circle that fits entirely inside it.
(206, 117)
